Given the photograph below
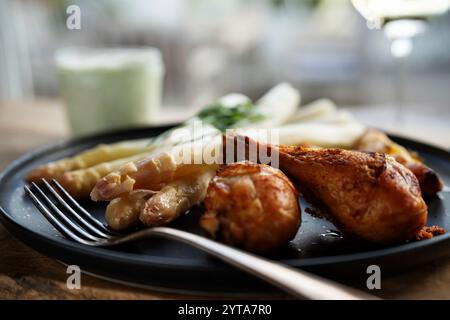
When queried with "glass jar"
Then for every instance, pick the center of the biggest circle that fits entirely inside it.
(107, 89)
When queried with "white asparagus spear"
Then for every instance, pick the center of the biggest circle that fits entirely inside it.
(123, 212)
(90, 157)
(313, 111)
(152, 172)
(158, 207)
(322, 135)
(337, 117)
(276, 106)
(175, 199)
(315, 134)
(79, 183)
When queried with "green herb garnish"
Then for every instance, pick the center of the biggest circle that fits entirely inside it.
(225, 117)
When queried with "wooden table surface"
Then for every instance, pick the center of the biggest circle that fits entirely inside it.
(26, 274)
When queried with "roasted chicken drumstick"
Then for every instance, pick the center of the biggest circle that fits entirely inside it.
(251, 206)
(376, 141)
(369, 195)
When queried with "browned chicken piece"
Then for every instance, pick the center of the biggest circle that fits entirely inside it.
(369, 195)
(376, 141)
(429, 232)
(251, 206)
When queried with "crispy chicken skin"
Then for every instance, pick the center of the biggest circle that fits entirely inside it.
(369, 195)
(376, 141)
(251, 206)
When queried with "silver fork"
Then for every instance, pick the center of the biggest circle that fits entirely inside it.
(77, 224)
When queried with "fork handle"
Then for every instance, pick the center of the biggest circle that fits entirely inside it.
(299, 284)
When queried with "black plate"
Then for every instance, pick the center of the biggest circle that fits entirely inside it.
(171, 266)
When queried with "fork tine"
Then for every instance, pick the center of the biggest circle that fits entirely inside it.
(53, 220)
(81, 210)
(82, 222)
(62, 217)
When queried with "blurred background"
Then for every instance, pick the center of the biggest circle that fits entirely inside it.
(209, 48)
